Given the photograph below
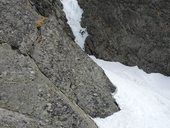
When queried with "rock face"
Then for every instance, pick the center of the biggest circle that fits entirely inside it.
(26, 92)
(133, 32)
(44, 76)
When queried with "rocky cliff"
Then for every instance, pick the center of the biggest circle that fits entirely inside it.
(46, 80)
(133, 32)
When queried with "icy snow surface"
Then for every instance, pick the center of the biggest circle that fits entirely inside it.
(144, 98)
(73, 14)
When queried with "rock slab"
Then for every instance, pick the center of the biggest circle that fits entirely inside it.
(44, 74)
(28, 98)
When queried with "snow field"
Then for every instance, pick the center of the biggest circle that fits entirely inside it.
(144, 98)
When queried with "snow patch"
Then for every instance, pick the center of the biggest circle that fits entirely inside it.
(144, 98)
(73, 14)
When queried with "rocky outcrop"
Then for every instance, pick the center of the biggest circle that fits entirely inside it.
(133, 32)
(26, 92)
(45, 75)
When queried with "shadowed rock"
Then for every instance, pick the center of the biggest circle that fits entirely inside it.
(133, 32)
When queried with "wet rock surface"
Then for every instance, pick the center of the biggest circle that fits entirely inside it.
(132, 32)
(43, 73)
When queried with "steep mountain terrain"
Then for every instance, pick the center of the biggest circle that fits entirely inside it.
(46, 80)
(133, 32)
(28, 98)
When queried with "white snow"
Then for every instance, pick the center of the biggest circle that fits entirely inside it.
(73, 14)
(144, 98)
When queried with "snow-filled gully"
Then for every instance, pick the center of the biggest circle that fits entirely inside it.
(144, 98)
(73, 14)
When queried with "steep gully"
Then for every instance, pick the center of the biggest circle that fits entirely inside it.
(148, 83)
(74, 14)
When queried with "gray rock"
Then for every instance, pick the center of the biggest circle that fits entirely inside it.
(133, 32)
(67, 66)
(10, 119)
(17, 24)
(26, 91)
(57, 56)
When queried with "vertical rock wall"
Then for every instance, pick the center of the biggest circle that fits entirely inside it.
(133, 32)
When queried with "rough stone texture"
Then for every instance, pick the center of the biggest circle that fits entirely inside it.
(31, 99)
(9, 119)
(56, 54)
(133, 32)
(76, 75)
